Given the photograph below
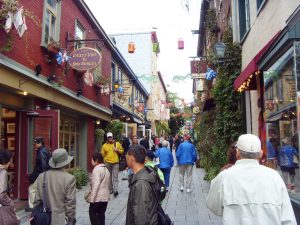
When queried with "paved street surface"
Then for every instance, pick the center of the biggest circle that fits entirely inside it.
(183, 208)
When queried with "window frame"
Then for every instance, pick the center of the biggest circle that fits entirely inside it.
(56, 37)
(79, 25)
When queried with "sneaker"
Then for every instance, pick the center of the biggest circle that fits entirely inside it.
(188, 190)
(116, 193)
(181, 188)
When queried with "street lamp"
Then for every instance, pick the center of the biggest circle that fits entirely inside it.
(219, 50)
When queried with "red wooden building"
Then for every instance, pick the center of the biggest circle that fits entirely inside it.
(42, 96)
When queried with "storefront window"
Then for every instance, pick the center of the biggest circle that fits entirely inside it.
(280, 115)
(69, 139)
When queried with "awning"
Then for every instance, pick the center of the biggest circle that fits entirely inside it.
(137, 120)
(252, 66)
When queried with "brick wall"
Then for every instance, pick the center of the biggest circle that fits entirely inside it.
(28, 52)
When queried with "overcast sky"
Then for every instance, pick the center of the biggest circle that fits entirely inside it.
(172, 21)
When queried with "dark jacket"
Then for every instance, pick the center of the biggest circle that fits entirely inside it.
(142, 205)
(41, 163)
(145, 143)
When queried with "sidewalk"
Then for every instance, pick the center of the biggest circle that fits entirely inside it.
(183, 208)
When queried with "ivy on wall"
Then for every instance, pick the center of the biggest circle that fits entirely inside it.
(218, 128)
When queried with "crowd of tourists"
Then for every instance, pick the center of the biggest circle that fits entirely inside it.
(244, 192)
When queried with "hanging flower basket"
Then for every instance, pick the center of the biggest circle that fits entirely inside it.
(53, 47)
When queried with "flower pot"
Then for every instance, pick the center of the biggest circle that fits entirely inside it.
(52, 50)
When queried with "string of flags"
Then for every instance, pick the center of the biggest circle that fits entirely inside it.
(62, 57)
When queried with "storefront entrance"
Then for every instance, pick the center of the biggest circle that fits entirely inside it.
(30, 124)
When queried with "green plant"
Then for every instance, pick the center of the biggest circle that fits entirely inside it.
(116, 127)
(80, 175)
(218, 128)
(99, 133)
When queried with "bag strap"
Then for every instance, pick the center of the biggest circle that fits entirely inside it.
(44, 195)
(156, 198)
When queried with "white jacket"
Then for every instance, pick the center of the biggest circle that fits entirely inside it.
(250, 194)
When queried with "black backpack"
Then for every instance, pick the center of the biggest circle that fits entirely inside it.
(159, 187)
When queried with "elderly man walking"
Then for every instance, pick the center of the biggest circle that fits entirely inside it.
(248, 193)
(186, 157)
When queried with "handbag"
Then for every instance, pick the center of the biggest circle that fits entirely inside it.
(87, 196)
(163, 218)
(7, 211)
(41, 214)
(295, 159)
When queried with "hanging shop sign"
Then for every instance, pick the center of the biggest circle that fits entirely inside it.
(83, 59)
(198, 66)
(127, 90)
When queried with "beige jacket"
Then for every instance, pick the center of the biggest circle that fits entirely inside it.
(61, 195)
(100, 184)
(3, 180)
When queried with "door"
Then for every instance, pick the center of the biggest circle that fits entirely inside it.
(43, 123)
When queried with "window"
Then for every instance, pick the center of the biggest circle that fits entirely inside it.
(51, 21)
(79, 35)
(120, 74)
(69, 138)
(259, 3)
(244, 17)
(113, 72)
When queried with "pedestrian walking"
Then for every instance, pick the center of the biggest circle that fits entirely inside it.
(111, 152)
(288, 154)
(166, 162)
(7, 209)
(41, 165)
(149, 162)
(145, 142)
(142, 205)
(99, 194)
(177, 141)
(186, 157)
(250, 193)
(60, 189)
(231, 156)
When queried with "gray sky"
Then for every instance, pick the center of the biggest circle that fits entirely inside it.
(172, 21)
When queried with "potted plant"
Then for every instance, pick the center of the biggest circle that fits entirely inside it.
(53, 47)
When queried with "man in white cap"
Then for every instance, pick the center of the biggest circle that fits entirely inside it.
(111, 152)
(248, 193)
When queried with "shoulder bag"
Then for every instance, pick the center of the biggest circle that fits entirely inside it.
(163, 218)
(41, 214)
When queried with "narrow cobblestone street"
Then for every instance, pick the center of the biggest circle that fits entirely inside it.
(183, 208)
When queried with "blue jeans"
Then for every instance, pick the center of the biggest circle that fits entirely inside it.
(166, 172)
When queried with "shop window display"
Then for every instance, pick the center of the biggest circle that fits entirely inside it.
(282, 120)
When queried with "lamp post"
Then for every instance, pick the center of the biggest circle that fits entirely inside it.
(219, 50)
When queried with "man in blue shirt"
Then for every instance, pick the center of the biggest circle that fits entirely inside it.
(186, 157)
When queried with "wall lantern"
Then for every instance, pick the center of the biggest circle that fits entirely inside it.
(116, 85)
(219, 50)
(180, 44)
(131, 47)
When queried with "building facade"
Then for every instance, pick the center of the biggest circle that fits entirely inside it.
(269, 32)
(143, 61)
(56, 73)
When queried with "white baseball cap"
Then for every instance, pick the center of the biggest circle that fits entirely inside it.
(249, 143)
(109, 134)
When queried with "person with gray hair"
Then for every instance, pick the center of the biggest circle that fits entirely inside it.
(166, 161)
(249, 193)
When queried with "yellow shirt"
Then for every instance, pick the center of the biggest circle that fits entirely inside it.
(108, 153)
